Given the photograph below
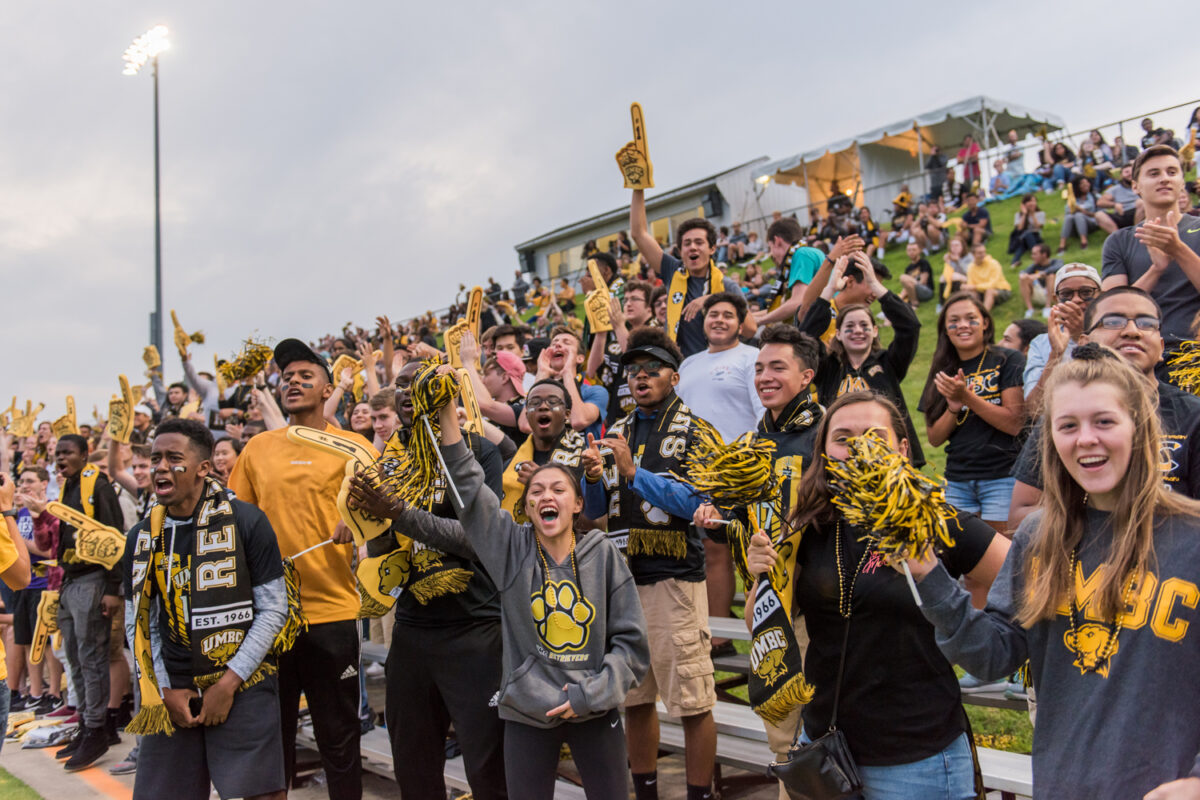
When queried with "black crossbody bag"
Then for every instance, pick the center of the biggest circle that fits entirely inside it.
(823, 769)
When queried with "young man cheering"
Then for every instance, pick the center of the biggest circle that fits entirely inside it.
(1160, 255)
(89, 596)
(297, 488)
(650, 516)
(561, 361)
(204, 601)
(689, 280)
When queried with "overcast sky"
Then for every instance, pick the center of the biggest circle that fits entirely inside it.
(325, 162)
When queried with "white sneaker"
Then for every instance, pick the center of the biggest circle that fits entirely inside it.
(1046, 312)
(1028, 313)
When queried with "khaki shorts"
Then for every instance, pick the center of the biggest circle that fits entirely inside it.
(681, 669)
(116, 639)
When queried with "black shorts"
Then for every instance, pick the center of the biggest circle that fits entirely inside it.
(242, 757)
(1124, 219)
(24, 611)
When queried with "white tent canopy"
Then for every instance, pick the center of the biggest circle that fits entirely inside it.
(871, 166)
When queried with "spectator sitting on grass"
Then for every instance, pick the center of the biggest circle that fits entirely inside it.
(1061, 160)
(1027, 228)
(926, 229)
(1118, 206)
(1001, 180)
(1079, 217)
(1123, 154)
(985, 277)
(917, 280)
(1036, 281)
(977, 220)
(954, 269)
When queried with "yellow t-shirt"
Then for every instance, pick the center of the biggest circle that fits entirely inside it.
(8, 557)
(987, 275)
(297, 488)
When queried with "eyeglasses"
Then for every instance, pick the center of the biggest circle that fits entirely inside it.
(970, 322)
(551, 403)
(650, 367)
(1084, 294)
(1117, 322)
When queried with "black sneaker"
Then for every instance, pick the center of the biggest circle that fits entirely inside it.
(93, 744)
(48, 704)
(20, 702)
(72, 746)
(110, 727)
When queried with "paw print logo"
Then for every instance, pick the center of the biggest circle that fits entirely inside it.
(677, 298)
(562, 616)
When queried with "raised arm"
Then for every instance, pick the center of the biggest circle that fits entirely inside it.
(640, 230)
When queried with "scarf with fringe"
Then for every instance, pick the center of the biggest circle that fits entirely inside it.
(212, 620)
(567, 450)
(677, 293)
(659, 445)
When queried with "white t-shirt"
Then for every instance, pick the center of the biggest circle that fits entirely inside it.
(719, 388)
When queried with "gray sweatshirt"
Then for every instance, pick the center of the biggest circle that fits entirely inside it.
(594, 644)
(1114, 733)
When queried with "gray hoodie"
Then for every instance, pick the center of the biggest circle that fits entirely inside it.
(1116, 732)
(594, 645)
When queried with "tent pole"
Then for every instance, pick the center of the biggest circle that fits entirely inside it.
(858, 181)
(921, 161)
(987, 165)
(808, 191)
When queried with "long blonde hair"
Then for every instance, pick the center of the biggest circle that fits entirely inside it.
(1142, 495)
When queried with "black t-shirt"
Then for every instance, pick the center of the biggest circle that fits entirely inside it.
(920, 269)
(900, 700)
(480, 600)
(611, 375)
(1174, 292)
(972, 217)
(1179, 415)
(691, 334)
(264, 565)
(976, 450)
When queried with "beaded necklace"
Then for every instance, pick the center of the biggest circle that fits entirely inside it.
(547, 595)
(846, 599)
(965, 411)
(1104, 653)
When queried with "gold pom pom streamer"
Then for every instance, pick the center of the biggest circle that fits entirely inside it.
(1185, 372)
(878, 490)
(252, 359)
(737, 474)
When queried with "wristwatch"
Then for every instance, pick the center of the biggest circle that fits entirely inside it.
(12, 512)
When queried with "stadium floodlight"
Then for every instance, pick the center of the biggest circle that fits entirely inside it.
(144, 48)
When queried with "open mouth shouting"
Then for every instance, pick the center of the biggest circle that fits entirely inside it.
(548, 513)
(541, 422)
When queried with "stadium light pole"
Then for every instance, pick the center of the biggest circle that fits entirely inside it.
(146, 48)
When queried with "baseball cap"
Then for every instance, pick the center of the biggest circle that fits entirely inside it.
(290, 350)
(1077, 270)
(514, 368)
(534, 347)
(654, 351)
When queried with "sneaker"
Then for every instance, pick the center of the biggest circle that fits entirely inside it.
(72, 746)
(374, 670)
(92, 745)
(47, 705)
(1028, 313)
(1046, 312)
(969, 684)
(20, 702)
(126, 766)
(62, 711)
(1015, 691)
(110, 727)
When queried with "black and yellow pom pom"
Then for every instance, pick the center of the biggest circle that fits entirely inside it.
(1185, 367)
(737, 474)
(295, 622)
(252, 360)
(879, 491)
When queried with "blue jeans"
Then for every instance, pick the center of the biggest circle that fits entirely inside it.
(5, 697)
(989, 499)
(948, 775)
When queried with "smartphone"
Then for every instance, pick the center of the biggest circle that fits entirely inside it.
(195, 703)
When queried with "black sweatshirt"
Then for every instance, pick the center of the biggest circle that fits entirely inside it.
(107, 511)
(882, 371)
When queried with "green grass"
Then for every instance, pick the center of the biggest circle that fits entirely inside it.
(13, 789)
(1004, 314)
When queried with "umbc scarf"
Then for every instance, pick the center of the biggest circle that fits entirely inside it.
(567, 450)
(659, 445)
(208, 606)
(677, 293)
(776, 682)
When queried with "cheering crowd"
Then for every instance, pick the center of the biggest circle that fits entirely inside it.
(550, 578)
